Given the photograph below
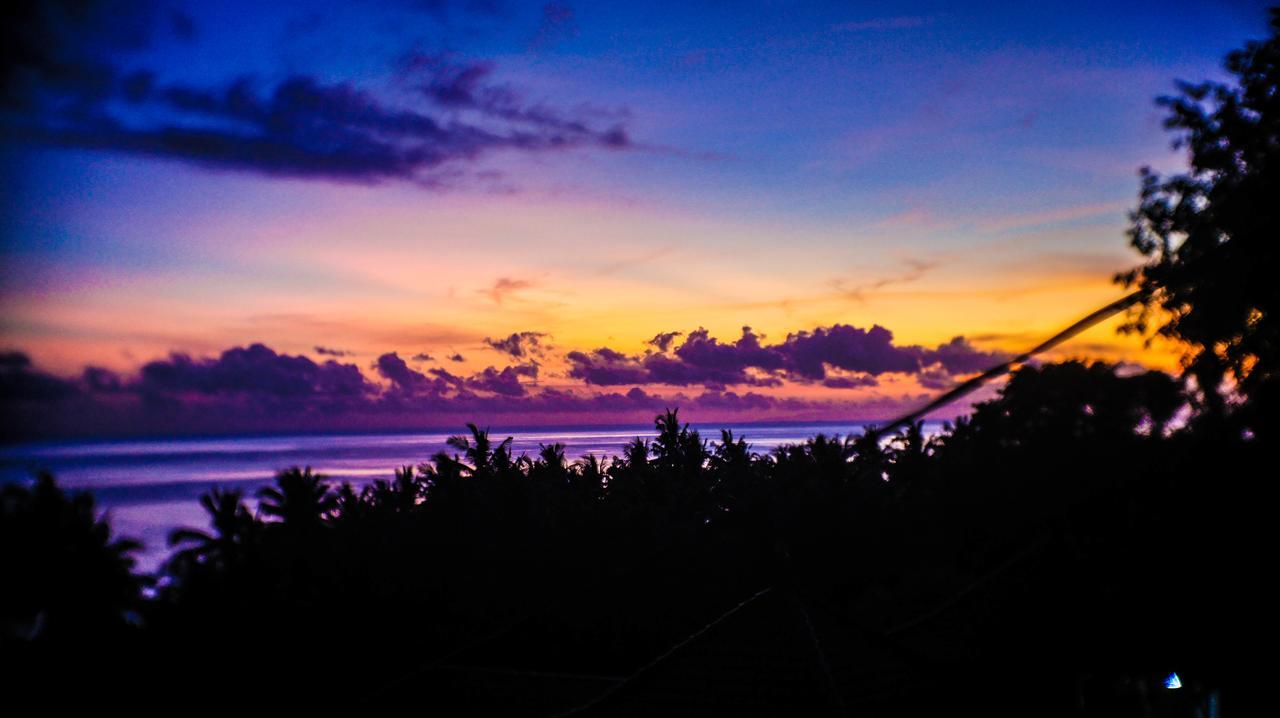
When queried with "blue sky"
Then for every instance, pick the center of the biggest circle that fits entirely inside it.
(417, 177)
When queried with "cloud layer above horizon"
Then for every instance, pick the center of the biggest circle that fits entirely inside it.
(255, 387)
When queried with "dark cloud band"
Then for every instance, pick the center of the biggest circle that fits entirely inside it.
(807, 356)
(63, 87)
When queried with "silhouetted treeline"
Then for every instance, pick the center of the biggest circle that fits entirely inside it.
(1072, 534)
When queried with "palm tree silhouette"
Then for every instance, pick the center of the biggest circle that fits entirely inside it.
(401, 494)
(65, 575)
(232, 524)
(479, 450)
(300, 499)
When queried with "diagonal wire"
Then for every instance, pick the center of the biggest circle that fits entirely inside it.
(578, 710)
(1007, 366)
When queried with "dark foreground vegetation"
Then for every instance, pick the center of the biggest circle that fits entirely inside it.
(1063, 551)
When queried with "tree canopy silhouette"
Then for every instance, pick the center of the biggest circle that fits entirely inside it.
(1073, 486)
(1210, 236)
(66, 578)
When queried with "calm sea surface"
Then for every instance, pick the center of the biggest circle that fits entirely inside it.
(149, 487)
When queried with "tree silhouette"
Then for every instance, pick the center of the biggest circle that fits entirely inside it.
(233, 527)
(300, 499)
(1210, 235)
(479, 450)
(578, 566)
(66, 578)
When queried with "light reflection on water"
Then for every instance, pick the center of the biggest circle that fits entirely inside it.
(149, 487)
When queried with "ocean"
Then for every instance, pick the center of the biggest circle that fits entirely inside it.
(149, 487)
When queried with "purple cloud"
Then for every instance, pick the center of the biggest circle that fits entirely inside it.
(256, 388)
(849, 382)
(936, 378)
(468, 86)
(663, 340)
(102, 381)
(256, 372)
(395, 370)
(62, 88)
(448, 377)
(701, 350)
(958, 356)
(606, 367)
(807, 356)
(21, 382)
(849, 348)
(504, 383)
(519, 344)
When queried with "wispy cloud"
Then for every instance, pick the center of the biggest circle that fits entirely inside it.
(898, 22)
(504, 287)
(914, 270)
(622, 265)
(1056, 215)
(557, 24)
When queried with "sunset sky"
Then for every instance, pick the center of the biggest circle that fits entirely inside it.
(495, 210)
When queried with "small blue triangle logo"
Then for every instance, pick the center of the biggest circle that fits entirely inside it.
(1173, 681)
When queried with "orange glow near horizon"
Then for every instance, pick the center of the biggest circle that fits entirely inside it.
(439, 280)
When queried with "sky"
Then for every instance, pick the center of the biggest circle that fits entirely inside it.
(233, 216)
